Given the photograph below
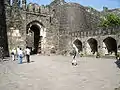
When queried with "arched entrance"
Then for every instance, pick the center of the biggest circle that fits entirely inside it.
(33, 39)
(111, 45)
(92, 46)
(78, 44)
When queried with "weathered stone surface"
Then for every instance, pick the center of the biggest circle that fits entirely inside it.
(3, 29)
(59, 24)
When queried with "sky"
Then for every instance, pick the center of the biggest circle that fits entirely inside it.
(97, 4)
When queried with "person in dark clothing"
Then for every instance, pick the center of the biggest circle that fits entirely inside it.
(74, 53)
(74, 62)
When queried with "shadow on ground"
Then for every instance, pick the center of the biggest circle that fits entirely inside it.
(26, 62)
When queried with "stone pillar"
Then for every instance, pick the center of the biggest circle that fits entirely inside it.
(100, 45)
(84, 47)
(88, 49)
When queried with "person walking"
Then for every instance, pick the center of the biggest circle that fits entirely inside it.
(74, 62)
(13, 53)
(20, 56)
(75, 52)
(27, 51)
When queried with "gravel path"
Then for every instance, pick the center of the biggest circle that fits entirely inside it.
(57, 73)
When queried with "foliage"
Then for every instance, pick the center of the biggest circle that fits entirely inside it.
(110, 20)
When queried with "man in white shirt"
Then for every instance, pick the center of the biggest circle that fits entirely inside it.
(27, 51)
(20, 56)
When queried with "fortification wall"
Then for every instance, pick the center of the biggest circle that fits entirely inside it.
(3, 30)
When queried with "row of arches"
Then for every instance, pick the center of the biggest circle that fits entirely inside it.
(35, 35)
(109, 45)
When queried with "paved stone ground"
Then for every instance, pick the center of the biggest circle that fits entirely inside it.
(57, 73)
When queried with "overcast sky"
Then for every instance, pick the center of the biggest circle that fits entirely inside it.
(97, 4)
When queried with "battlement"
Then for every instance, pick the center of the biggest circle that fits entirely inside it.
(33, 7)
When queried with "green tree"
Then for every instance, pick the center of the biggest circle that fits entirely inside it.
(110, 20)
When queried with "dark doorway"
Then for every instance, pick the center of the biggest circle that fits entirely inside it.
(78, 44)
(33, 39)
(111, 44)
(36, 31)
(93, 45)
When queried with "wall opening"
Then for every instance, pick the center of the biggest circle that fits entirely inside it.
(93, 45)
(33, 39)
(36, 31)
(111, 45)
(78, 44)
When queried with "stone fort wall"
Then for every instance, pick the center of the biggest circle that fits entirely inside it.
(61, 22)
(3, 30)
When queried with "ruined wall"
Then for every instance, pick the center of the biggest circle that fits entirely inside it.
(76, 21)
(72, 17)
(3, 29)
(61, 23)
(17, 20)
(93, 19)
(16, 26)
(59, 19)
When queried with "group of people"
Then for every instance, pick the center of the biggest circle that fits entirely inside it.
(18, 54)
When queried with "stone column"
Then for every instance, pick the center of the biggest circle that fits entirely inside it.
(100, 45)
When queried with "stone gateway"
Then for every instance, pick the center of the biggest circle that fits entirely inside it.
(55, 28)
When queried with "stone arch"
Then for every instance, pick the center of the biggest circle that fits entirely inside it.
(78, 45)
(34, 22)
(92, 45)
(110, 44)
(34, 31)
